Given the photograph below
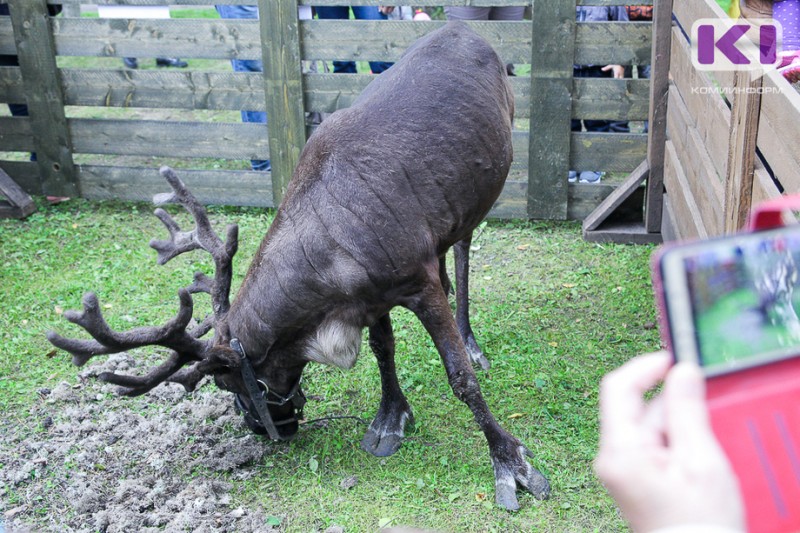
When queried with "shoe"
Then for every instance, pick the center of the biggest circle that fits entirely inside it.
(572, 177)
(789, 67)
(130, 62)
(54, 200)
(589, 176)
(173, 62)
(261, 165)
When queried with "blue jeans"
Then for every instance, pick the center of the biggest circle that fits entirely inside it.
(361, 13)
(247, 65)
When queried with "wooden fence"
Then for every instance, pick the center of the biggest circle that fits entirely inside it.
(537, 188)
(731, 141)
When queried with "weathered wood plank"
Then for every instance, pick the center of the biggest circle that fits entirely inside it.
(552, 52)
(170, 139)
(600, 98)
(18, 203)
(209, 186)
(16, 134)
(162, 89)
(657, 133)
(741, 151)
(608, 152)
(25, 174)
(12, 88)
(185, 38)
(609, 99)
(687, 218)
(687, 13)
(615, 199)
(623, 233)
(779, 130)
(582, 199)
(603, 43)
(606, 42)
(705, 184)
(710, 115)
(36, 53)
(7, 44)
(283, 84)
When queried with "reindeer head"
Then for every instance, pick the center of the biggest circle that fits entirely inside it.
(266, 411)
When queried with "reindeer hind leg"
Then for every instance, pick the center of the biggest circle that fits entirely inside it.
(461, 253)
(511, 469)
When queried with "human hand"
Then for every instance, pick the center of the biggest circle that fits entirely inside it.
(660, 460)
(617, 71)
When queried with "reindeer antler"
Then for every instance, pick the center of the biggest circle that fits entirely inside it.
(186, 345)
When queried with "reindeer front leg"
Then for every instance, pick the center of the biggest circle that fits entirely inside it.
(507, 452)
(385, 433)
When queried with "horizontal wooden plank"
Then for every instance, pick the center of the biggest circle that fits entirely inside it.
(594, 98)
(173, 89)
(16, 134)
(11, 87)
(7, 45)
(185, 38)
(362, 40)
(169, 139)
(687, 218)
(609, 99)
(209, 186)
(25, 173)
(582, 200)
(603, 43)
(597, 43)
(607, 152)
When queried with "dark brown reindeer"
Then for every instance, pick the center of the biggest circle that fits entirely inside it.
(382, 191)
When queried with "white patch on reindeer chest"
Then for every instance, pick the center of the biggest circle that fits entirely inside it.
(335, 343)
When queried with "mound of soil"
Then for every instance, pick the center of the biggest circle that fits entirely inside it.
(112, 464)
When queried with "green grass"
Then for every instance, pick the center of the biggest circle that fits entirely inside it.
(552, 312)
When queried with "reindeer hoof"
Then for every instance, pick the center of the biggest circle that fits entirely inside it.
(514, 472)
(385, 434)
(475, 352)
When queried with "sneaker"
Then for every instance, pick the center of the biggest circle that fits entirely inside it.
(171, 62)
(589, 176)
(130, 62)
(789, 66)
(572, 177)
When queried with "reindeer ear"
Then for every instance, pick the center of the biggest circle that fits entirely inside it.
(219, 359)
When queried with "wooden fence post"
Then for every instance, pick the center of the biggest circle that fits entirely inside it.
(741, 150)
(659, 96)
(283, 88)
(45, 98)
(552, 58)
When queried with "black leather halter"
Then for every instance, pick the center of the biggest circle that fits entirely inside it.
(259, 393)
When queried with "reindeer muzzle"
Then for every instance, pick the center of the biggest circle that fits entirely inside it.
(255, 405)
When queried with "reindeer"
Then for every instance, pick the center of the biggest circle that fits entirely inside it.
(381, 192)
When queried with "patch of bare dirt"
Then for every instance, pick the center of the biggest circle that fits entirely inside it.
(101, 462)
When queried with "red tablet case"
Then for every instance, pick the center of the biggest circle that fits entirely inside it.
(755, 414)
